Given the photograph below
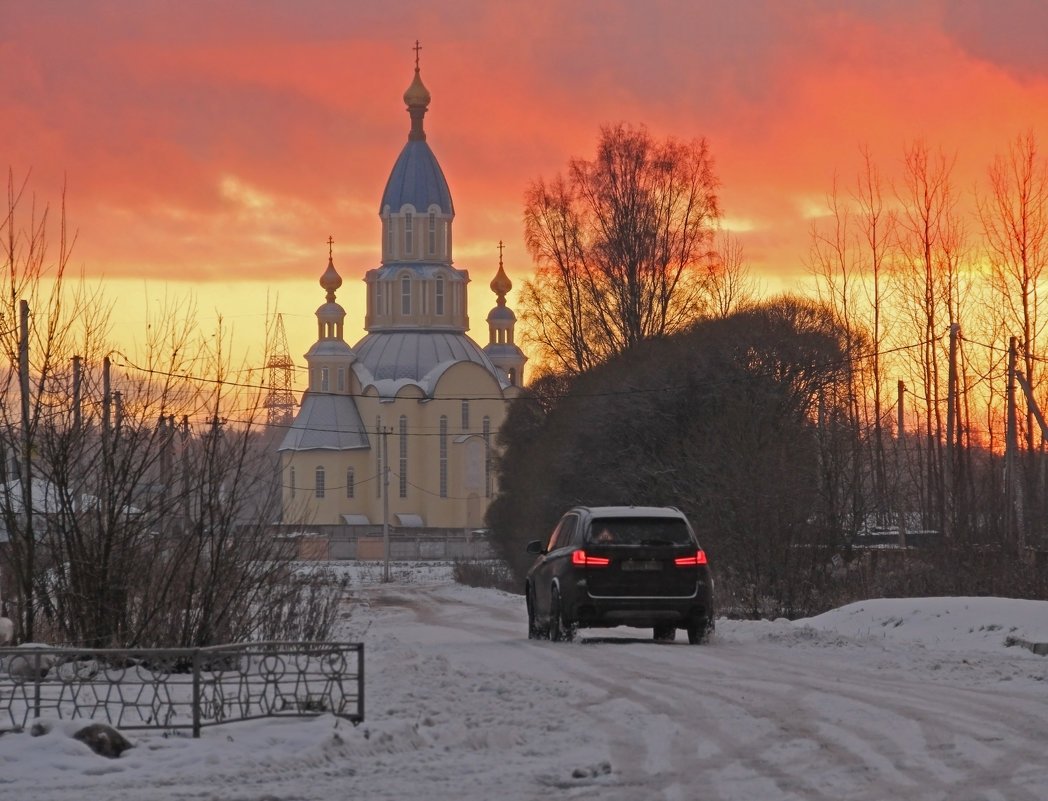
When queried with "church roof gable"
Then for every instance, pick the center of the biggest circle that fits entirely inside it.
(326, 422)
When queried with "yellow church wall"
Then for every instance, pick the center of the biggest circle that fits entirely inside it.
(469, 484)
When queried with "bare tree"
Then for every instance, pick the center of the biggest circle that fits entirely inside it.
(877, 232)
(137, 496)
(1014, 217)
(729, 283)
(931, 252)
(34, 346)
(620, 246)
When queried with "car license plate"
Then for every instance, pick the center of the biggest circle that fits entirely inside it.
(639, 564)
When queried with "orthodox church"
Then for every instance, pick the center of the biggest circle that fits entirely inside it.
(400, 427)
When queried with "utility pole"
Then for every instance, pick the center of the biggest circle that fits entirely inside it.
(1011, 447)
(187, 502)
(952, 424)
(385, 501)
(78, 379)
(165, 434)
(26, 465)
(899, 464)
(107, 401)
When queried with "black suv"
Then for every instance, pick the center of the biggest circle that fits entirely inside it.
(620, 565)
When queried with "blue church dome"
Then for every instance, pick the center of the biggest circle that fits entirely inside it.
(417, 179)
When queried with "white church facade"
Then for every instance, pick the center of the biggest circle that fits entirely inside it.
(400, 426)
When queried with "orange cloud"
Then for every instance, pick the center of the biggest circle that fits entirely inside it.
(216, 143)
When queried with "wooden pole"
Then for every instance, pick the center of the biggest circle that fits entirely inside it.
(899, 466)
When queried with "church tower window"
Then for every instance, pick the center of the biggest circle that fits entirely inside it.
(443, 456)
(405, 295)
(320, 482)
(432, 233)
(440, 296)
(403, 456)
(324, 387)
(351, 487)
(341, 379)
(465, 415)
(291, 479)
(409, 234)
(389, 236)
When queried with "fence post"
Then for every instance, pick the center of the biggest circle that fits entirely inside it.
(196, 693)
(360, 680)
(37, 678)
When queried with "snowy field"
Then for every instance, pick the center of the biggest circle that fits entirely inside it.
(915, 699)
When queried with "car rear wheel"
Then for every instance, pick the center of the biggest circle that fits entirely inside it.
(665, 632)
(699, 631)
(559, 628)
(535, 631)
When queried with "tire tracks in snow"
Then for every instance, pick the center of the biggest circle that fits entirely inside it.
(764, 719)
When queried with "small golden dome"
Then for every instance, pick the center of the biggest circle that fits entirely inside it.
(417, 94)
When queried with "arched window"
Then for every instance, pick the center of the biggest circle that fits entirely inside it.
(443, 456)
(341, 379)
(389, 236)
(403, 456)
(440, 296)
(465, 415)
(324, 387)
(379, 300)
(350, 483)
(409, 234)
(320, 482)
(432, 233)
(405, 295)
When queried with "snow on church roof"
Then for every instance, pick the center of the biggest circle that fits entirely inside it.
(326, 422)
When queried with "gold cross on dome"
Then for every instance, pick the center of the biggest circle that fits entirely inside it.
(330, 243)
(416, 48)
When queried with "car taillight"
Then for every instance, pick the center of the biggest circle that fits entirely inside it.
(584, 559)
(699, 558)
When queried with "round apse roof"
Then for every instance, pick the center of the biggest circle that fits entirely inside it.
(418, 357)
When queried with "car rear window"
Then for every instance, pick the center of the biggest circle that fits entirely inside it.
(640, 531)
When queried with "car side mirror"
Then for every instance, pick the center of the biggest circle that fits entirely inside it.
(535, 547)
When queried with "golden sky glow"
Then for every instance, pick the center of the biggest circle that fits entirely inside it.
(214, 147)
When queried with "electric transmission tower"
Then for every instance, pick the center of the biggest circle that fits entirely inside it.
(280, 400)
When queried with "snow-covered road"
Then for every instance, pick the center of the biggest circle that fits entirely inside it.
(766, 711)
(916, 699)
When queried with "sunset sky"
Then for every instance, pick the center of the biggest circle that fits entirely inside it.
(212, 147)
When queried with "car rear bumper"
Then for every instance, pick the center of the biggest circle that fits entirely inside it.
(642, 612)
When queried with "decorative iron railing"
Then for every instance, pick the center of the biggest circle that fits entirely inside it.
(182, 688)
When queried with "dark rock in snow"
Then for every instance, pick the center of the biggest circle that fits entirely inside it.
(103, 739)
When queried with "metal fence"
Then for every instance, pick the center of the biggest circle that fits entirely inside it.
(182, 688)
